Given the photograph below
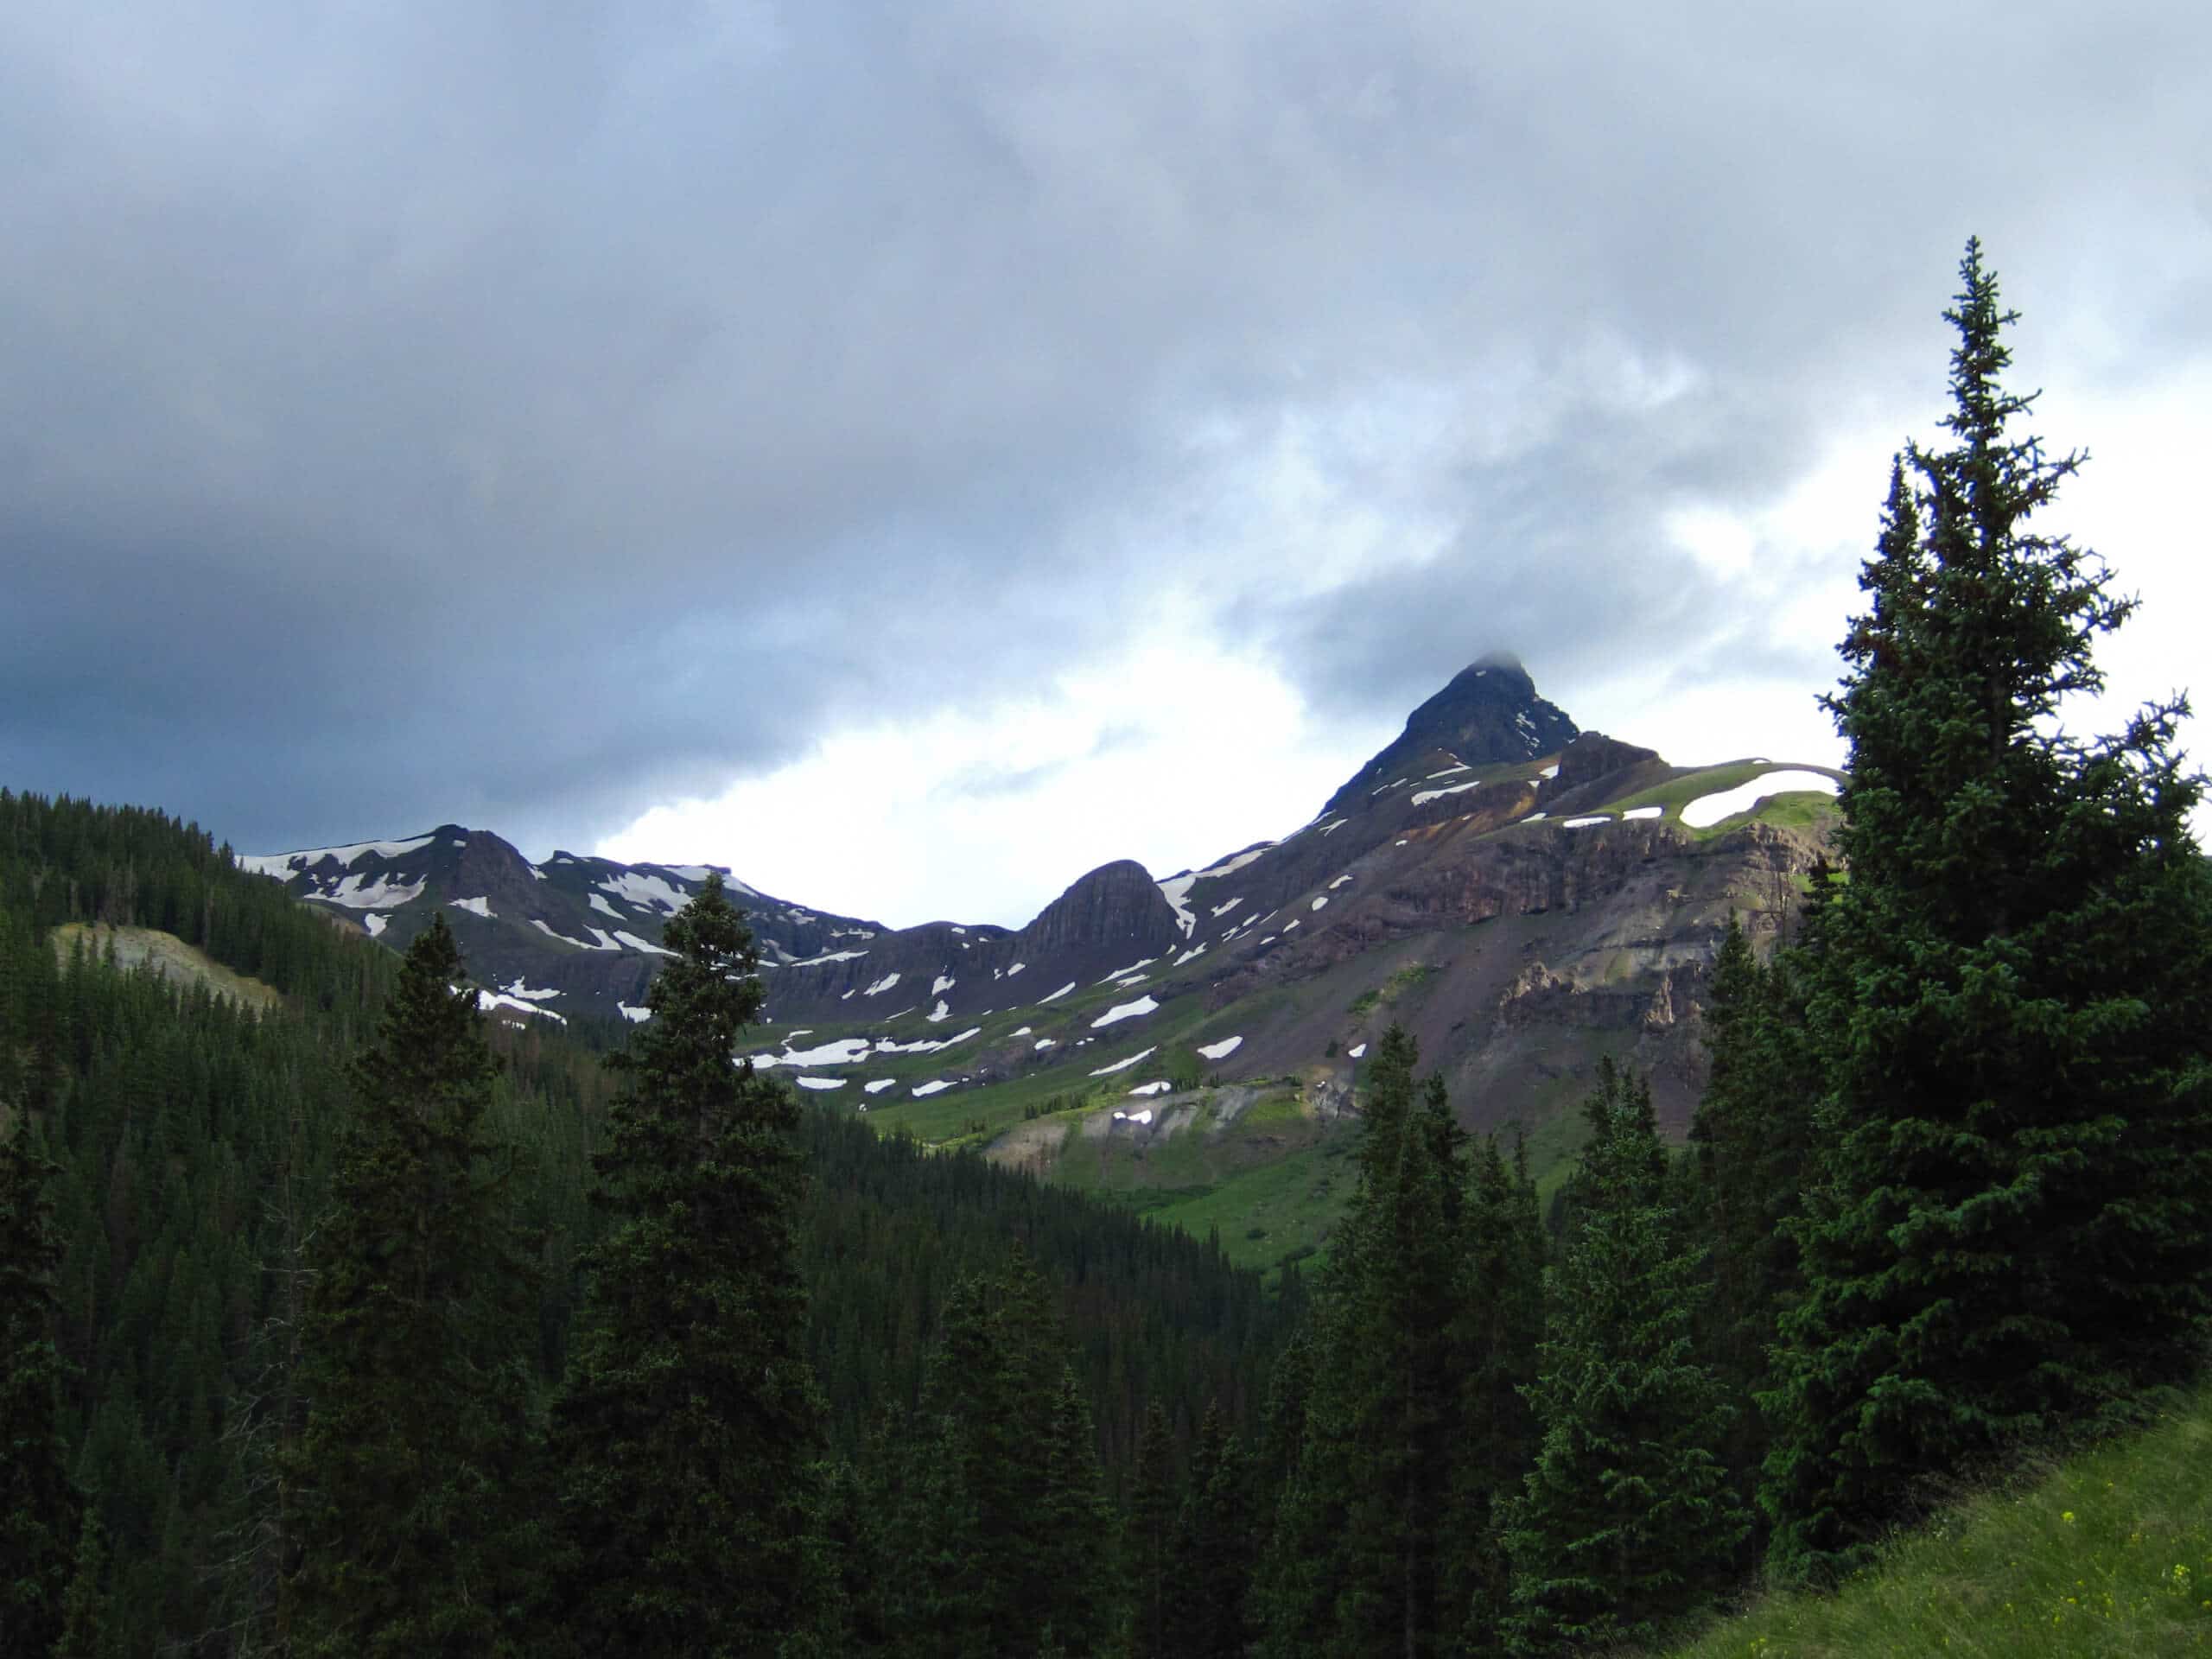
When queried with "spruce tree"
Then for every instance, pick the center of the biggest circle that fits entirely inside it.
(1359, 1559)
(1211, 1552)
(1750, 1141)
(416, 1533)
(1147, 1536)
(38, 1506)
(1503, 1307)
(2007, 1225)
(1071, 1512)
(999, 1536)
(84, 1624)
(1627, 1518)
(689, 1424)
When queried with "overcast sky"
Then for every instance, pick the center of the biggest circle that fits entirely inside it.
(913, 453)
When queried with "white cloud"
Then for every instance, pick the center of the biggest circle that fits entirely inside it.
(1172, 753)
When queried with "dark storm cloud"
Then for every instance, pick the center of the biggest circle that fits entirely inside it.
(522, 414)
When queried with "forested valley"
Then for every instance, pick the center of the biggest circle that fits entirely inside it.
(364, 1325)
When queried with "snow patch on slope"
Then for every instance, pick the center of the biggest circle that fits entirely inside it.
(1126, 1011)
(1123, 1065)
(1709, 809)
(284, 865)
(646, 892)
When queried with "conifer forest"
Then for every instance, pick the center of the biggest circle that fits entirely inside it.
(360, 1325)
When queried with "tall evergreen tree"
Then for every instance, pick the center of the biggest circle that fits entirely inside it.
(1146, 1538)
(689, 1424)
(416, 1521)
(2008, 1223)
(1357, 1561)
(38, 1506)
(1627, 1518)
(1072, 1512)
(1020, 1474)
(1750, 1141)
(1211, 1552)
(1502, 1305)
(84, 1625)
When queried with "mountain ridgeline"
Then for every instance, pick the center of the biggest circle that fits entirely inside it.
(1540, 882)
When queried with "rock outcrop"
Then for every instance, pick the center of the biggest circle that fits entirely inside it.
(1489, 714)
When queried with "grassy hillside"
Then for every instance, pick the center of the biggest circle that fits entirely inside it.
(168, 955)
(2110, 1554)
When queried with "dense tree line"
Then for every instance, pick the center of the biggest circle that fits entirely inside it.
(365, 1328)
(189, 1159)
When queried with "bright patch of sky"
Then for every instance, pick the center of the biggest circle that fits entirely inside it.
(1032, 791)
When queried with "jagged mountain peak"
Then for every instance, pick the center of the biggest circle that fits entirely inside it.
(1487, 713)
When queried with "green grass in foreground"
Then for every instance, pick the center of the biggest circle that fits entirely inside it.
(2111, 1553)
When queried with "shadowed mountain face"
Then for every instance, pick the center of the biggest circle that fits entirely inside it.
(1489, 714)
(1556, 894)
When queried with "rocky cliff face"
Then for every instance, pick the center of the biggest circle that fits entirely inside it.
(1531, 952)
(1117, 908)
